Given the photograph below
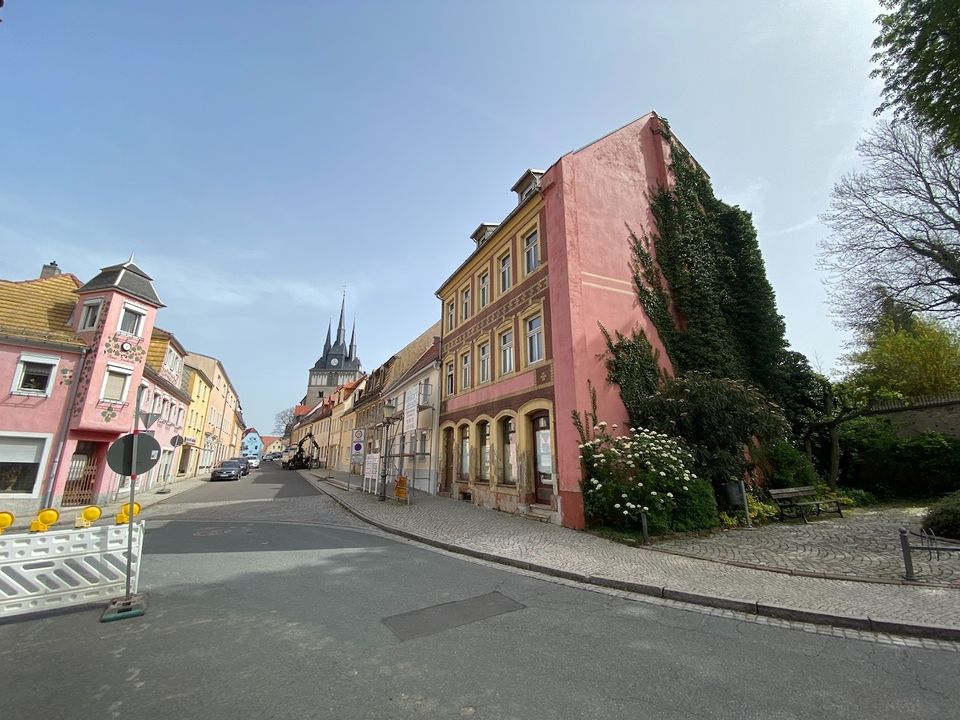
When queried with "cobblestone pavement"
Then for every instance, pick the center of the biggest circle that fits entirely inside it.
(864, 544)
(464, 526)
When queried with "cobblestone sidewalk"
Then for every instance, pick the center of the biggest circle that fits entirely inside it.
(864, 544)
(462, 527)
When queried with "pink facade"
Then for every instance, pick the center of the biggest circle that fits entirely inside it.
(591, 197)
(96, 368)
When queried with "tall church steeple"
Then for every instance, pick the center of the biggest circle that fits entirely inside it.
(338, 364)
(341, 330)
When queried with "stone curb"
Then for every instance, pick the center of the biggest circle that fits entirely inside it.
(803, 573)
(867, 624)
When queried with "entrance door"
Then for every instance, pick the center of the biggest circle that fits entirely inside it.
(81, 476)
(543, 459)
(447, 461)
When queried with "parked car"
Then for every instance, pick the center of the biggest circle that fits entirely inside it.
(227, 470)
(254, 461)
(244, 464)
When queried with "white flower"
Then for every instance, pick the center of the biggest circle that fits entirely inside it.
(639, 484)
(662, 474)
(626, 512)
(685, 487)
(617, 505)
(669, 494)
(624, 495)
(653, 492)
(593, 480)
(599, 485)
(645, 508)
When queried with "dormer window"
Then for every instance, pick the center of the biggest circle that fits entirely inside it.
(527, 185)
(89, 314)
(483, 233)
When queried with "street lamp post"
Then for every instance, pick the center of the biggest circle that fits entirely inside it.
(388, 410)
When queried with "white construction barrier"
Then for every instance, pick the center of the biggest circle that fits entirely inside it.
(59, 568)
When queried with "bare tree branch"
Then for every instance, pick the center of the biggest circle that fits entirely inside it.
(896, 227)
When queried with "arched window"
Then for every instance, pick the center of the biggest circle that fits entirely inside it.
(464, 453)
(508, 451)
(483, 441)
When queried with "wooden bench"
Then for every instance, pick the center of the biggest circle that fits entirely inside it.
(791, 501)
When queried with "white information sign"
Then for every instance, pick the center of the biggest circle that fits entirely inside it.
(410, 410)
(356, 448)
(371, 472)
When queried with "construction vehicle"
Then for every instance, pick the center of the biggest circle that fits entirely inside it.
(299, 460)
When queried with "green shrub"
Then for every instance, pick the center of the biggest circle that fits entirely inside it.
(643, 473)
(783, 466)
(943, 517)
(761, 512)
(875, 459)
(853, 497)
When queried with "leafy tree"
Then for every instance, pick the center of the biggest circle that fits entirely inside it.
(283, 422)
(717, 417)
(919, 63)
(921, 357)
(896, 228)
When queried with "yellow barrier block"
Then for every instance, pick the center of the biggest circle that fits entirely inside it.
(6, 520)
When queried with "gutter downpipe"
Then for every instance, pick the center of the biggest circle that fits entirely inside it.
(64, 429)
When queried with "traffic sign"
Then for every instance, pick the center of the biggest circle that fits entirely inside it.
(148, 419)
(176, 441)
(120, 454)
(359, 434)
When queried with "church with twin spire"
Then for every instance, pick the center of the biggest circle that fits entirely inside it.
(339, 363)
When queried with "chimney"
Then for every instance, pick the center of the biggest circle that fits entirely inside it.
(49, 270)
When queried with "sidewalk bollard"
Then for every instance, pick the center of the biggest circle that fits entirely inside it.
(643, 528)
(907, 560)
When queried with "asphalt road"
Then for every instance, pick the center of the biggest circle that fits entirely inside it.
(253, 618)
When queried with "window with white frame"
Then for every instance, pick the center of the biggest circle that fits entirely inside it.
(172, 360)
(505, 276)
(534, 339)
(116, 382)
(450, 373)
(506, 352)
(21, 457)
(89, 315)
(483, 293)
(466, 374)
(530, 253)
(131, 320)
(465, 304)
(451, 315)
(483, 362)
(34, 375)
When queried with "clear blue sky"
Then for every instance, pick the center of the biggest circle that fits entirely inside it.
(258, 157)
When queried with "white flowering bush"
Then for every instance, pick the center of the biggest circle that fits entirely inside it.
(643, 471)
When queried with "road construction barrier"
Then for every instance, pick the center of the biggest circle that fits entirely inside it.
(60, 568)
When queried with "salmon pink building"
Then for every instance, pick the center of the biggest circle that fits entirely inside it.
(521, 324)
(72, 359)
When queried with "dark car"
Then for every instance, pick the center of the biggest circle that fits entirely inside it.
(227, 470)
(244, 464)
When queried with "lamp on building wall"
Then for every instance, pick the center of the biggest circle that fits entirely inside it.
(388, 409)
